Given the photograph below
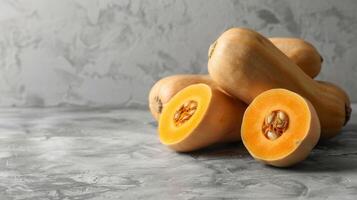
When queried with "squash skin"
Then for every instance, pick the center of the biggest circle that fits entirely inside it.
(338, 91)
(215, 127)
(301, 52)
(303, 149)
(164, 89)
(231, 66)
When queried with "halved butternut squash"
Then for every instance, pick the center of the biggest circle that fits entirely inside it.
(280, 128)
(198, 116)
(164, 89)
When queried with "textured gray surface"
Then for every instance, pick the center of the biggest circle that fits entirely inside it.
(108, 52)
(115, 154)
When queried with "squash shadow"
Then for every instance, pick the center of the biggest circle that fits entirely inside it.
(221, 151)
(336, 155)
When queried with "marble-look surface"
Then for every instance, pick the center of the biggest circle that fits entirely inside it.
(110, 52)
(103, 153)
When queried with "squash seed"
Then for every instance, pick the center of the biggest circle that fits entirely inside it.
(185, 112)
(275, 124)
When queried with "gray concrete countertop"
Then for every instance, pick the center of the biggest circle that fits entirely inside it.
(78, 153)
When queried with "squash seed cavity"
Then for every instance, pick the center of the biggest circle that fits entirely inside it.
(275, 124)
(185, 112)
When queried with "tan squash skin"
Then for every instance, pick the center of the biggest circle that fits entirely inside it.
(302, 53)
(244, 63)
(334, 89)
(220, 123)
(303, 148)
(164, 89)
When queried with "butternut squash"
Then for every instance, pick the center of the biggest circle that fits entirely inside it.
(301, 52)
(244, 63)
(166, 88)
(280, 128)
(198, 116)
(344, 98)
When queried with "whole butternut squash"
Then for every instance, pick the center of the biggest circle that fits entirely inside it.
(245, 63)
(344, 98)
(301, 52)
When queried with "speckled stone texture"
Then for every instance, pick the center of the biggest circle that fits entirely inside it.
(109, 52)
(103, 154)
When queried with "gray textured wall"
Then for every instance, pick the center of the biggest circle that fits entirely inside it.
(107, 52)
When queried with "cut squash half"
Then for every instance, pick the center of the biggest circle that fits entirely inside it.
(280, 128)
(198, 116)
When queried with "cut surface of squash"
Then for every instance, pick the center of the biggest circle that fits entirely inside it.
(198, 116)
(170, 131)
(294, 143)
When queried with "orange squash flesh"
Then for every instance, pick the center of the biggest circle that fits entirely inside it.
(295, 144)
(217, 119)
